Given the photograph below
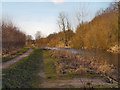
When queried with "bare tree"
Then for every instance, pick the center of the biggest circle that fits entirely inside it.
(12, 37)
(69, 30)
(38, 35)
(81, 14)
(38, 38)
(68, 23)
(29, 37)
(64, 26)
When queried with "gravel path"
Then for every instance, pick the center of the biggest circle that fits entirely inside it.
(7, 64)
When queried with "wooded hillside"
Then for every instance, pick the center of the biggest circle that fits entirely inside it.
(101, 32)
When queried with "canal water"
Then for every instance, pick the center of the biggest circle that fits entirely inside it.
(102, 56)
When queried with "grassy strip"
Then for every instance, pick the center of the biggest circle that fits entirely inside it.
(24, 73)
(13, 55)
(49, 67)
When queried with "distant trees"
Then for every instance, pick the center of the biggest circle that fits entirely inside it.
(54, 40)
(38, 35)
(29, 40)
(40, 41)
(12, 37)
(37, 38)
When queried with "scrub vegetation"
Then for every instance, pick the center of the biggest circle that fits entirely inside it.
(61, 65)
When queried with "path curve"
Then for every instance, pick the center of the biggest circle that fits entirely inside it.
(7, 64)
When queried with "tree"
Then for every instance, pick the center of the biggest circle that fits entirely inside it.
(29, 38)
(64, 25)
(38, 35)
(12, 37)
(101, 32)
(81, 14)
(38, 38)
(61, 23)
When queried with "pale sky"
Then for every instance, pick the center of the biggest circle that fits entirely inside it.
(42, 16)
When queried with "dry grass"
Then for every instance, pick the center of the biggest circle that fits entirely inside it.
(70, 63)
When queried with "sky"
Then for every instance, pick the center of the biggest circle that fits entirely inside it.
(31, 17)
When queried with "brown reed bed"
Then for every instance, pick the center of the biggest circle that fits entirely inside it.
(70, 63)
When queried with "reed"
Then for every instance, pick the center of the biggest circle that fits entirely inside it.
(78, 64)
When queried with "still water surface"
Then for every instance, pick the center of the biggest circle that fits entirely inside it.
(100, 55)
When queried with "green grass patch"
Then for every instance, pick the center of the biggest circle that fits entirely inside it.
(49, 66)
(24, 73)
(72, 75)
(13, 55)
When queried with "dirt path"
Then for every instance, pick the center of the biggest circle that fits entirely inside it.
(74, 83)
(69, 83)
(15, 60)
(42, 73)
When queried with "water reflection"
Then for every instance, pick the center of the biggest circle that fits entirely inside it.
(100, 55)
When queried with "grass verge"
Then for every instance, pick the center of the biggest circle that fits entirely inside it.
(13, 55)
(49, 66)
(24, 73)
